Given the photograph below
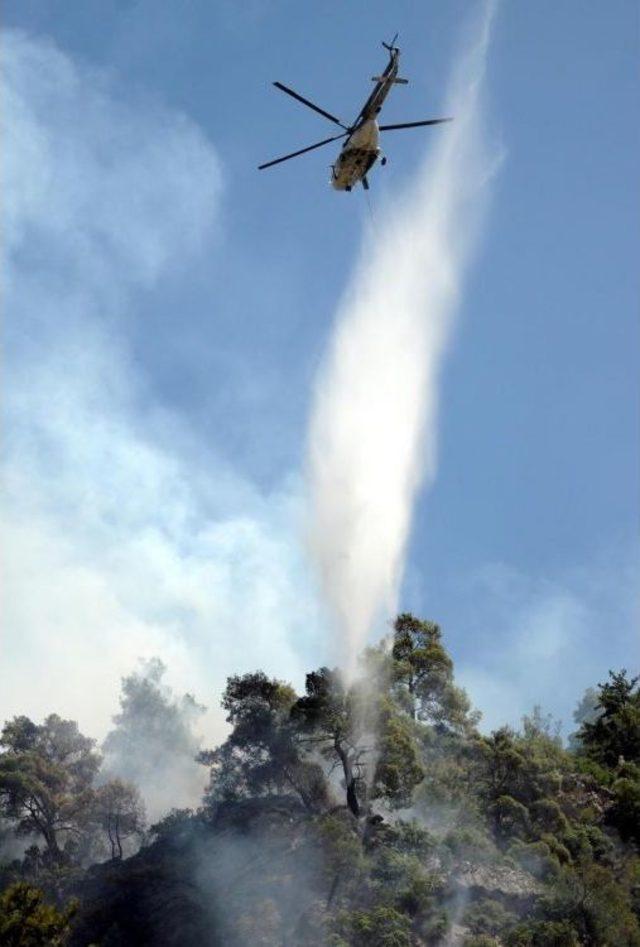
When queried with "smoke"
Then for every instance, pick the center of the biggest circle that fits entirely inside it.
(154, 744)
(239, 875)
(138, 533)
(372, 436)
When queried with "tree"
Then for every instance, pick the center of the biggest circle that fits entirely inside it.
(521, 836)
(334, 719)
(46, 777)
(512, 773)
(501, 764)
(262, 754)
(488, 916)
(422, 665)
(398, 768)
(615, 733)
(598, 907)
(26, 920)
(586, 712)
(380, 927)
(542, 934)
(342, 852)
(153, 743)
(423, 675)
(624, 814)
(541, 729)
(119, 811)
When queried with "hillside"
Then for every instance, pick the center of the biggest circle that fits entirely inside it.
(374, 815)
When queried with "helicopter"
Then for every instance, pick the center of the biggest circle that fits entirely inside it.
(360, 149)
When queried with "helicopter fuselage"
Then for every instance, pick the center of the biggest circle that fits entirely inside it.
(359, 153)
(360, 149)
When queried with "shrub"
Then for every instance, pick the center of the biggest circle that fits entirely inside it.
(469, 842)
(488, 917)
(535, 858)
(557, 849)
(547, 816)
(381, 927)
(542, 934)
(511, 817)
(625, 812)
(480, 940)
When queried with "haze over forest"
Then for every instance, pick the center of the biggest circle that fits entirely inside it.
(369, 814)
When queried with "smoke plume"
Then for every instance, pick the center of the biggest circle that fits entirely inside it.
(372, 437)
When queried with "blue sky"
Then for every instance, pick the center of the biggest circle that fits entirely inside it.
(172, 305)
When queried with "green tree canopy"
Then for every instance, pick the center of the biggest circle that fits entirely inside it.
(615, 733)
(46, 777)
(26, 920)
(153, 743)
(262, 754)
(423, 676)
(334, 719)
(119, 811)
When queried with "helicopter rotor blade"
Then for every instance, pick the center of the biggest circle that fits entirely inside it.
(316, 108)
(431, 121)
(302, 151)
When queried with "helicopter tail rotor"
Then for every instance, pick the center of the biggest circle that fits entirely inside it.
(392, 45)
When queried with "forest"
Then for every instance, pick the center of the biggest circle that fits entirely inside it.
(376, 813)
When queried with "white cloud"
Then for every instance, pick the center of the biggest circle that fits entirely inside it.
(111, 180)
(122, 537)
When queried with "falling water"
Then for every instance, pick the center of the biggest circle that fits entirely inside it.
(373, 428)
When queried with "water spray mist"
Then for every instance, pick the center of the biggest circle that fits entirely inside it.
(372, 435)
